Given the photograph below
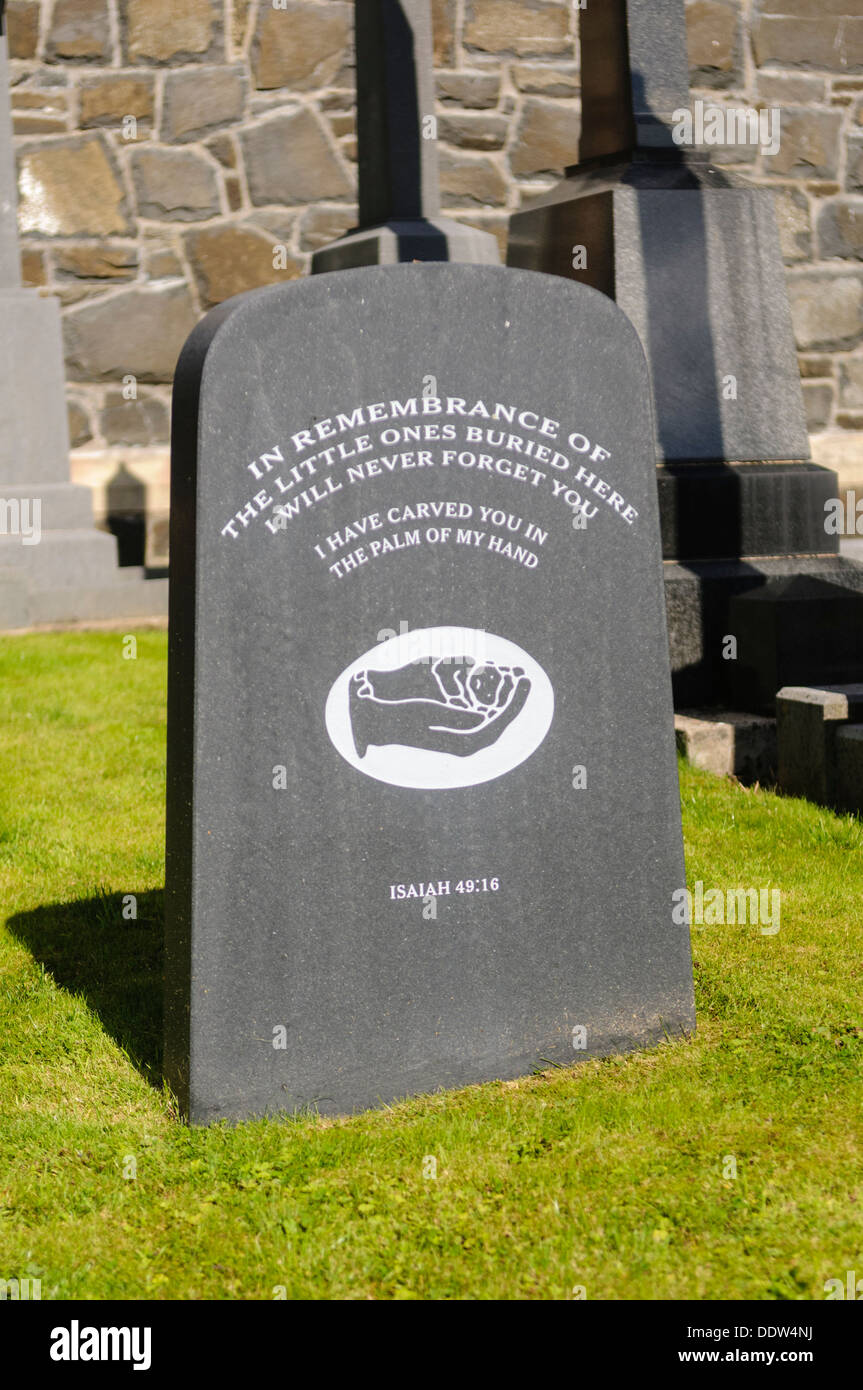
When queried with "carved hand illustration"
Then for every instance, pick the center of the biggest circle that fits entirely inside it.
(449, 706)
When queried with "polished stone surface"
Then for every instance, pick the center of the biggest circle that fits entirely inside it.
(419, 671)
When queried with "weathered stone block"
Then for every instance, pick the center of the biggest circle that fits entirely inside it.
(546, 140)
(280, 222)
(323, 225)
(792, 218)
(197, 101)
(504, 26)
(712, 41)
(343, 123)
(807, 9)
(851, 383)
(789, 88)
(289, 160)
(842, 452)
(80, 428)
(35, 123)
(826, 309)
(342, 100)
(840, 230)
(814, 366)
(223, 148)
(106, 101)
(537, 79)
(809, 144)
(854, 166)
(159, 31)
(474, 132)
(39, 113)
(471, 180)
(229, 260)
(22, 21)
(827, 41)
(32, 267)
(138, 332)
(100, 262)
(174, 185)
(52, 102)
(79, 31)
(729, 744)
(233, 192)
(301, 46)
(139, 422)
(161, 263)
(477, 90)
(239, 25)
(443, 32)
(818, 401)
(74, 291)
(71, 188)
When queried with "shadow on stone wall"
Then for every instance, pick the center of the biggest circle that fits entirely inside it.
(126, 515)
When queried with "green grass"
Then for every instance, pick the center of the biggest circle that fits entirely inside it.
(608, 1175)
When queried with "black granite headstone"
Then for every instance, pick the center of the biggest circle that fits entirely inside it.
(423, 814)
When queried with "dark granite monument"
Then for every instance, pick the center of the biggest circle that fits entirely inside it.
(423, 812)
(399, 185)
(691, 254)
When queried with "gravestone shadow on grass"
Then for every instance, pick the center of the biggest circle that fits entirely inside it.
(115, 965)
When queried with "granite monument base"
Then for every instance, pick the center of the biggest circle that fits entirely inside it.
(702, 600)
(411, 239)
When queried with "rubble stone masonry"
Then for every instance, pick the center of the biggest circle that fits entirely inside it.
(174, 152)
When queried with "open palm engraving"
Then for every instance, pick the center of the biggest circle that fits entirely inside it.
(448, 706)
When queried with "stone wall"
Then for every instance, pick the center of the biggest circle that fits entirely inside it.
(174, 152)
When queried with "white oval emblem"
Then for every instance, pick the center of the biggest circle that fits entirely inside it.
(440, 707)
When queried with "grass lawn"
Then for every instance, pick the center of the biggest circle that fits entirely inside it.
(612, 1175)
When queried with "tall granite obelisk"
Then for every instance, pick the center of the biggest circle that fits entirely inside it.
(55, 566)
(692, 255)
(399, 190)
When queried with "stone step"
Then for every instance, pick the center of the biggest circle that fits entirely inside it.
(729, 743)
(132, 596)
(62, 558)
(63, 506)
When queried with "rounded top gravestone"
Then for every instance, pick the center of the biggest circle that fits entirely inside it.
(423, 816)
